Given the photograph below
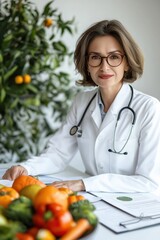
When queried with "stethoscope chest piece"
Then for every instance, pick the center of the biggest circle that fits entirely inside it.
(73, 130)
(76, 128)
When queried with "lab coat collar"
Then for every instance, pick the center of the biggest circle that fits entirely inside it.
(120, 101)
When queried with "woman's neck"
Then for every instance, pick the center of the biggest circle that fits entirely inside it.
(108, 95)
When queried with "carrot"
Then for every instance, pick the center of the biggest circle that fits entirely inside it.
(78, 230)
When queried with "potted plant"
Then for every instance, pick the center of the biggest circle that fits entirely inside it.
(34, 91)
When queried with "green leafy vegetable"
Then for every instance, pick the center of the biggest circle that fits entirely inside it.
(84, 209)
(20, 209)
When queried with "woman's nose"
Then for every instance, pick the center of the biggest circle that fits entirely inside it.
(104, 64)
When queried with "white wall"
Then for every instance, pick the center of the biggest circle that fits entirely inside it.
(141, 18)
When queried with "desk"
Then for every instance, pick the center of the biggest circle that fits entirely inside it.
(101, 232)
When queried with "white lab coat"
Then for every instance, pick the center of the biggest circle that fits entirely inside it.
(138, 171)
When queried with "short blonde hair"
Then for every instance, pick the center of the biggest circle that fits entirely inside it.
(114, 28)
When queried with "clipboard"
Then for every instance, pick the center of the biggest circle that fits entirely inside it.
(121, 218)
(119, 221)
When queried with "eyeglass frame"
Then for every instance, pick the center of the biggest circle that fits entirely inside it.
(106, 58)
(138, 219)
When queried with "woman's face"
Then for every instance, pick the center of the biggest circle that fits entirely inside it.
(104, 75)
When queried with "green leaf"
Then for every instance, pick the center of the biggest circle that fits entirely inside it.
(1, 58)
(47, 9)
(10, 72)
(2, 95)
(14, 103)
(9, 120)
(32, 102)
(32, 88)
(60, 46)
(8, 38)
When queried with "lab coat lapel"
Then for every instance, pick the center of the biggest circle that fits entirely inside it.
(120, 101)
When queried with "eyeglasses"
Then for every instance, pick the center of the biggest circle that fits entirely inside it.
(138, 219)
(113, 59)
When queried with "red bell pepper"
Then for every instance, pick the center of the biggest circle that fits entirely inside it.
(53, 218)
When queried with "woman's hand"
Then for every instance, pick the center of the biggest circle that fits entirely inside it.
(74, 185)
(14, 172)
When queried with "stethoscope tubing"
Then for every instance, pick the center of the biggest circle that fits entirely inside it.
(75, 128)
(128, 108)
(130, 132)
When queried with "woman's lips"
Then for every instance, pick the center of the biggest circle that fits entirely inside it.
(105, 76)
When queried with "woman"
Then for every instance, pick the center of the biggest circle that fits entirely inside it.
(119, 134)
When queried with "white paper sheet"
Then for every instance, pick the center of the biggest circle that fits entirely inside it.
(136, 204)
(113, 218)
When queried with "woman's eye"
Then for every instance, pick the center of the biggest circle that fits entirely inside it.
(95, 57)
(114, 56)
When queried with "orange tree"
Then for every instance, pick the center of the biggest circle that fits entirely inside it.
(32, 53)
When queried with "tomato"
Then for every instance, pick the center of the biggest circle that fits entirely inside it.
(72, 199)
(80, 197)
(75, 198)
(51, 194)
(7, 195)
(24, 236)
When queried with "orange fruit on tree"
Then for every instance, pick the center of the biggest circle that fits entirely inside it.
(48, 22)
(7, 195)
(18, 79)
(26, 78)
(25, 180)
(51, 194)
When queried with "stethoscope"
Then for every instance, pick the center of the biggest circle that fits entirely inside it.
(76, 128)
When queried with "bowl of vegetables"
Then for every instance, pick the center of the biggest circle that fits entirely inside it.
(50, 213)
